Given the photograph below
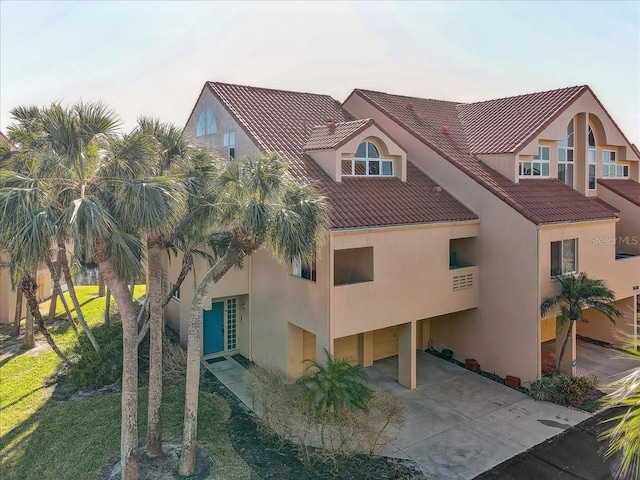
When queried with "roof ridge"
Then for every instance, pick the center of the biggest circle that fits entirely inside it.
(296, 92)
(364, 90)
(579, 87)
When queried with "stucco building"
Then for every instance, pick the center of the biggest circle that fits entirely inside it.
(449, 222)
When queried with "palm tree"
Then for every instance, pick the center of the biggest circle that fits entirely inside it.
(332, 388)
(624, 436)
(100, 189)
(171, 161)
(251, 203)
(579, 293)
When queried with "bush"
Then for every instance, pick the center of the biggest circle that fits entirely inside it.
(93, 371)
(283, 410)
(564, 389)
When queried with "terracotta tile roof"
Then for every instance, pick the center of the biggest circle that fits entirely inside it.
(324, 137)
(625, 187)
(605, 204)
(505, 125)
(437, 124)
(281, 121)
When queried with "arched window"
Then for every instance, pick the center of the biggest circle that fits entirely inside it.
(592, 158)
(565, 157)
(206, 123)
(367, 161)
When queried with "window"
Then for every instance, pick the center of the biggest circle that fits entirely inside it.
(308, 272)
(565, 157)
(206, 123)
(232, 311)
(367, 161)
(538, 167)
(230, 144)
(352, 265)
(609, 166)
(176, 294)
(592, 159)
(563, 257)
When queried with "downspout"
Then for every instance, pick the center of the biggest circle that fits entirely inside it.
(250, 313)
(329, 295)
(539, 343)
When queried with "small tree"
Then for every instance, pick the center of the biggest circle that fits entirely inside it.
(250, 204)
(579, 293)
(332, 388)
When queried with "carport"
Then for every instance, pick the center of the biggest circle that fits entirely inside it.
(460, 424)
(606, 363)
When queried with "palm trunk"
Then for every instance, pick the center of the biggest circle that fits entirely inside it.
(15, 330)
(107, 307)
(129, 425)
(54, 297)
(187, 265)
(133, 289)
(29, 340)
(74, 298)
(101, 285)
(154, 295)
(57, 290)
(564, 345)
(29, 288)
(215, 273)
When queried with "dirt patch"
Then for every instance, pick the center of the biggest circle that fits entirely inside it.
(161, 468)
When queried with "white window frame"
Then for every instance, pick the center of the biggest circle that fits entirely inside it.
(611, 168)
(592, 160)
(299, 272)
(536, 160)
(564, 273)
(566, 151)
(367, 159)
(206, 124)
(229, 142)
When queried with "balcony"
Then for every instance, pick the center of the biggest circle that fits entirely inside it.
(464, 287)
(624, 278)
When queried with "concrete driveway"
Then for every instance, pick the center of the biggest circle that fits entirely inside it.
(460, 424)
(605, 363)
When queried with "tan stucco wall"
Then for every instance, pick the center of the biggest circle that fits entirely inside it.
(506, 164)
(628, 226)
(599, 327)
(234, 284)
(411, 277)
(225, 123)
(596, 257)
(503, 332)
(279, 299)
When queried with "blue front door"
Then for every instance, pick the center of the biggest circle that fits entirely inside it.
(213, 329)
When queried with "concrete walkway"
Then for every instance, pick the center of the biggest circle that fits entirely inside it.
(231, 375)
(458, 424)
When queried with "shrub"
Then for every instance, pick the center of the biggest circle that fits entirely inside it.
(93, 371)
(564, 389)
(283, 409)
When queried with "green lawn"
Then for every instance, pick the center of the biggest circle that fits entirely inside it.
(45, 439)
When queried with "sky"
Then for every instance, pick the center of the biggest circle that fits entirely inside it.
(152, 58)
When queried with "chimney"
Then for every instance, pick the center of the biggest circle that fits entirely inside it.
(331, 125)
(410, 106)
(437, 190)
(444, 129)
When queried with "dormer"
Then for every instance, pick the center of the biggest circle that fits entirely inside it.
(357, 149)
